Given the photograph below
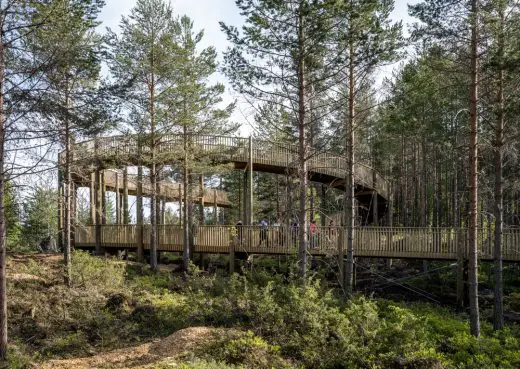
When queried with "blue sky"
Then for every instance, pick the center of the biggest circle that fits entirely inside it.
(206, 15)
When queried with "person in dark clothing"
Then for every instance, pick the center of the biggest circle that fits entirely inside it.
(263, 233)
(240, 231)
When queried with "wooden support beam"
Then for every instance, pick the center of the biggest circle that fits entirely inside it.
(250, 219)
(139, 215)
(60, 208)
(126, 210)
(180, 204)
(99, 210)
(73, 213)
(103, 190)
(215, 208)
(201, 208)
(118, 201)
(92, 202)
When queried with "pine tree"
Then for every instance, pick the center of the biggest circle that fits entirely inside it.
(142, 62)
(193, 105)
(67, 37)
(277, 58)
(456, 23)
(39, 217)
(369, 40)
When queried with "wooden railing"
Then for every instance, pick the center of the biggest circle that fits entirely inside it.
(171, 190)
(128, 149)
(395, 242)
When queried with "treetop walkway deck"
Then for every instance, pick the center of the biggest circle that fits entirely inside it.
(116, 151)
(171, 191)
(380, 242)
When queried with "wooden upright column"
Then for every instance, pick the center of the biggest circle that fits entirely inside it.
(390, 223)
(245, 202)
(118, 201)
(60, 208)
(375, 210)
(126, 211)
(180, 204)
(73, 213)
(99, 210)
(103, 196)
(139, 215)
(201, 208)
(215, 208)
(92, 199)
(250, 219)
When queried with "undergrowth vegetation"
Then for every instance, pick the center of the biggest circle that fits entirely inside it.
(277, 322)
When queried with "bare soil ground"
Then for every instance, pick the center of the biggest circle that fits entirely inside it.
(144, 356)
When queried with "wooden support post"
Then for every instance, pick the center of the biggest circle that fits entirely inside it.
(126, 210)
(215, 208)
(232, 254)
(201, 208)
(390, 220)
(250, 219)
(341, 255)
(375, 212)
(375, 205)
(118, 201)
(244, 202)
(459, 241)
(92, 203)
(139, 215)
(322, 204)
(73, 213)
(103, 190)
(180, 204)
(158, 212)
(163, 210)
(60, 208)
(99, 210)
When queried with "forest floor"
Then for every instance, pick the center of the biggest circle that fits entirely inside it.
(169, 350)
(117, 314)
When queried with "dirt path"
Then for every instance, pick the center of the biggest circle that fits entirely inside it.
(143, 356)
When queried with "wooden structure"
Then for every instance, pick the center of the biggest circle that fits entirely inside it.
(102, 165)
(380, 242)
(241, 153)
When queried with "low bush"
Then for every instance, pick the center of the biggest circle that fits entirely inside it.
(94, 272)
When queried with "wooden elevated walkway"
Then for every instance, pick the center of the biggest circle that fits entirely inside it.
(118, 151)
(170, 191)
(379, 242)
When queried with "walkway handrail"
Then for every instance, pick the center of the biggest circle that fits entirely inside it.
(226, 148)
(387, 242)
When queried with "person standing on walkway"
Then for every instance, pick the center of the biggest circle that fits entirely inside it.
(263, 233)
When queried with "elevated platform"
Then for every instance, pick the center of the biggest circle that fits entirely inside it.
(118, 151)
(170, 191)
(378, 242)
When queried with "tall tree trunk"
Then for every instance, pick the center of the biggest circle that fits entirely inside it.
(498, 322)
(3, 245)
(349, 207)
(153, 180)
(473, 180)
(302, 150)
(186, 204)
(67, 192)
(140, 213)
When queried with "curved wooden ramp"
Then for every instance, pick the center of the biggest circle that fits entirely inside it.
(116, 151)
(170, 191)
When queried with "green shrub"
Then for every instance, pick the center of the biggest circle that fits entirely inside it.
(98, 272)
(245, 350)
